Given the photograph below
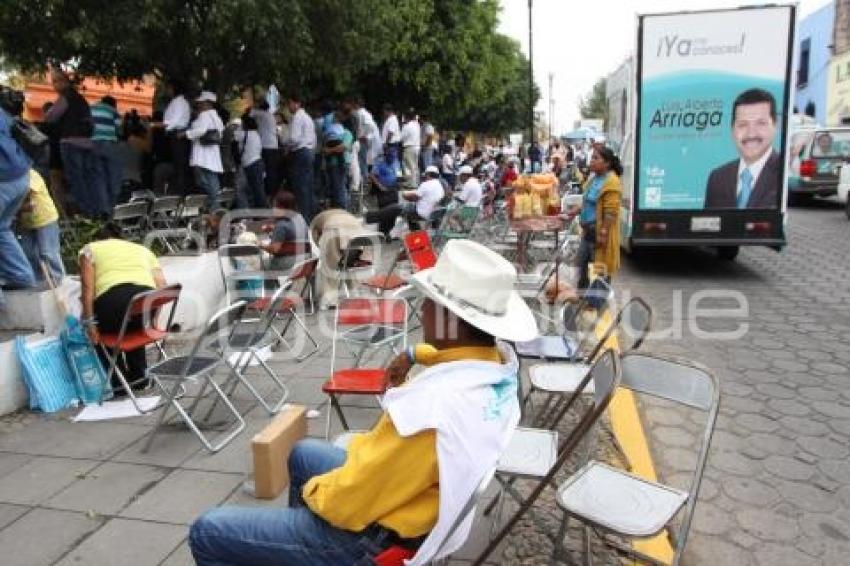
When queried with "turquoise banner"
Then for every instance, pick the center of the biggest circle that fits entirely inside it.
(685, 133)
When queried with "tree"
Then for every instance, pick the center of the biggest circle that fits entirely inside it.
(440, 56)
(595, 104)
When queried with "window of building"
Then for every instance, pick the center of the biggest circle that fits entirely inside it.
(803, 69)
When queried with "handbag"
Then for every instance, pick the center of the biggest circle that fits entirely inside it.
(49, 379)
(89, 375)
(210, 137)
(30, 138)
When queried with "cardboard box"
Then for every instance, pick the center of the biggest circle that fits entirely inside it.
(271, 448)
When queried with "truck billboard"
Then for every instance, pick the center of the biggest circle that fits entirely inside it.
(713, 94)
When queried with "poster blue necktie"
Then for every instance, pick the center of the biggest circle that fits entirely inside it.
(746, 188)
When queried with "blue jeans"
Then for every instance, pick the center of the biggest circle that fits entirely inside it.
(207, 181)
(79, 167)
(293, 536)
(107, 171)
(338, 181)
(15, 270)
(42, 244)
(255, 188)
(302, 182)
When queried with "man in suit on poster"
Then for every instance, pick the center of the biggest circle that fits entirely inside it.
(753, 180)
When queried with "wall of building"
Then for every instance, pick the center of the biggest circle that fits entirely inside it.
(816, 31)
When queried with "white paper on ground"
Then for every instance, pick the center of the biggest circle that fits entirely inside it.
(264, 354)
(116, 409)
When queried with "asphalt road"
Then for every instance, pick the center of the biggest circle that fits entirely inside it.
(777, 484)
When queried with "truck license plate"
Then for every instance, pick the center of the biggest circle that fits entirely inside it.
(705, 224)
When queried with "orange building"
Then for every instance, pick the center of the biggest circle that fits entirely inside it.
(131, 95)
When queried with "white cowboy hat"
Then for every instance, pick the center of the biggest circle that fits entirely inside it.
(206, 96)
(477, 285)
(432, 170)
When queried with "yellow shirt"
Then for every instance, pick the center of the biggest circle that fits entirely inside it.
(43, 210)
(388, 479)
(116, 262)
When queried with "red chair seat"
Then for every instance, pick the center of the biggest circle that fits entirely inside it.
(133, 339)
(394, 556)
(289, 303)
(385, 282)
(359, 311)
(362, 381)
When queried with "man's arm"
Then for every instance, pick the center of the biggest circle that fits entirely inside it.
(56, 111)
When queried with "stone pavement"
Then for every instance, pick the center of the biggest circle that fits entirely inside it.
(777, 485)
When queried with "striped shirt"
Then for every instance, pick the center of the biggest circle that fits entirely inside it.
(106, 122)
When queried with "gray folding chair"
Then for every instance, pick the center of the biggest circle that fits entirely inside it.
(130, 218)
(614, 501)
(243, 272)
(631, 326)
(191, 210)
(202, 361)
(521, 459)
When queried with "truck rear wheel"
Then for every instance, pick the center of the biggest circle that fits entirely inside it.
(728, 253)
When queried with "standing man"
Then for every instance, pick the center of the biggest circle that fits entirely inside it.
(108, 168)
(267, 128)
(205, 132)
(302, 144)
(753, 179)
(390, 131)
(176, 120)
(365, 134)
(429, 142)
(71, 117)
(411, 144)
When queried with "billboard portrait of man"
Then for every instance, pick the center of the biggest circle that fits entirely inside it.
(753, 180)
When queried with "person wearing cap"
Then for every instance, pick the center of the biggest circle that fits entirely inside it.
(205, 135)
(418, 205)
(337, 152)
(406, 480)
(470, 192)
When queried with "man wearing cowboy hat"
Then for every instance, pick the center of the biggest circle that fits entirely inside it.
(470, 192)
(405, 481)
(418, 205)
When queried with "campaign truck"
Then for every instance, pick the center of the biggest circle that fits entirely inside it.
(700, 116)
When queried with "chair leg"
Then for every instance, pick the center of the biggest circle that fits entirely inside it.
(170, 399)
(559, 549)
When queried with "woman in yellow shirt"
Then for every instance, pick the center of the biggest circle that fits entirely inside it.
(112, 272)
(38, 227)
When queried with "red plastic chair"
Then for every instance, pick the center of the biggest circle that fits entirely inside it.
(419, 250)
(363, 323)
(145, 306)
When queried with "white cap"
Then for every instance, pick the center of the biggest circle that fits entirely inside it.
(206, 96)
(465, 170)
(432, 169)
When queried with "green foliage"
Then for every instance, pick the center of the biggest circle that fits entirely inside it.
(440, 56)
(594, 104)
(76, 233)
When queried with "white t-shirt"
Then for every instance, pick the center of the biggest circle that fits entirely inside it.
(430, 193)
(411, 134)
(206, 156)
(473, 407)
(390, 132)
(470, 194)
(266, 128)
(177, 114)
(250, 146)
(448, 164)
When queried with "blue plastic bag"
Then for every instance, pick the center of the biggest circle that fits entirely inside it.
(49, 379)
(90, 377)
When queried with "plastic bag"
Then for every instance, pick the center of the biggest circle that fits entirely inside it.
(89, 375)
(49, 379)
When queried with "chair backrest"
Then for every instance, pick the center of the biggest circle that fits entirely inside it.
(596, 296)
(252, 256)
(142, 195)
(632, 324)
(420, 251)
(303, 269)
(686, 383)
(193, 205)
(218, 330)
(130, 211)
(148, 304)
(369, 311)
(166, 205)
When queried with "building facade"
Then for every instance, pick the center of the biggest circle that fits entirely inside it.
(813, 52)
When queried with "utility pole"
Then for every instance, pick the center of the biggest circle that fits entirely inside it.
(551, 104)
(530, 77)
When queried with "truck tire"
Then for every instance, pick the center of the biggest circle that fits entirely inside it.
(728, 253)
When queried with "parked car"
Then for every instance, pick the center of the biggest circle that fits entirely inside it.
(817, 155)
(844, 188)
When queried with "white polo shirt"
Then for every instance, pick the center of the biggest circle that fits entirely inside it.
(430, 193)
(471, 192)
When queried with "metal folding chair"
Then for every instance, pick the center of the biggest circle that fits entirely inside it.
(145, 307)
(530, 452)
(363, 324)
(457, 223)
(202, 361)
(130, 218)
(250, 337)
(145, 195)
(353, 267)
(191, 210)
(634, 507)
(243, 272)
(225, 198)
